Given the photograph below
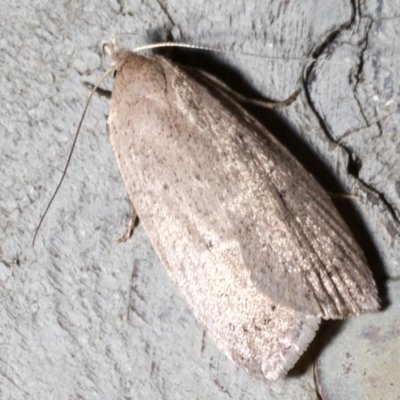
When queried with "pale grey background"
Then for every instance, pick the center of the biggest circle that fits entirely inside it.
(66, 326)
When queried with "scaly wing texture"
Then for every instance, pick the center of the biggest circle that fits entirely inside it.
(252, 242)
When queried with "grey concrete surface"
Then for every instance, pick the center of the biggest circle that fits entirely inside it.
(345, 369)
(67, 326)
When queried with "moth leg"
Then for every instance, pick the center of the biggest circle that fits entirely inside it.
(275, 104)
(260, 103)
(101, 92)
(270, 104)
(344, 196)
(133, 220)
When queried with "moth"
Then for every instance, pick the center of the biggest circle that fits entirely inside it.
(248, 236)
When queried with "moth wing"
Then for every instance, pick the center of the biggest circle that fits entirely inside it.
(294, 242)
(324, 270)
(202, 255)
(296, 245)
(200, 167)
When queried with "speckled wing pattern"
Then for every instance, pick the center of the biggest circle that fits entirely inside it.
(251, 240)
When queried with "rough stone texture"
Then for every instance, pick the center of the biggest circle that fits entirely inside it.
(66, 328)
(363, 361)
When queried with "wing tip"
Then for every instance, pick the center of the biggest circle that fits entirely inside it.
(276, 366)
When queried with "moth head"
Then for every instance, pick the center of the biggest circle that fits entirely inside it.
(115, 52)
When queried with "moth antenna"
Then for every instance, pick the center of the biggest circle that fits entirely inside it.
(109, 70)
(114, 42)
(226, 51)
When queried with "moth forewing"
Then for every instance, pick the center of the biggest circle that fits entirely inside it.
(248, 236)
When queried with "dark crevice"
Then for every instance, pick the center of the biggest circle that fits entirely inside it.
(326, 47)
(359, 71)
(133, 289)
(391, 209)
(327, 43)
(354, 163)
(164, 9)
(121, 6)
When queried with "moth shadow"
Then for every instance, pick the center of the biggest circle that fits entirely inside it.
(282, 130)
(327, 332)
